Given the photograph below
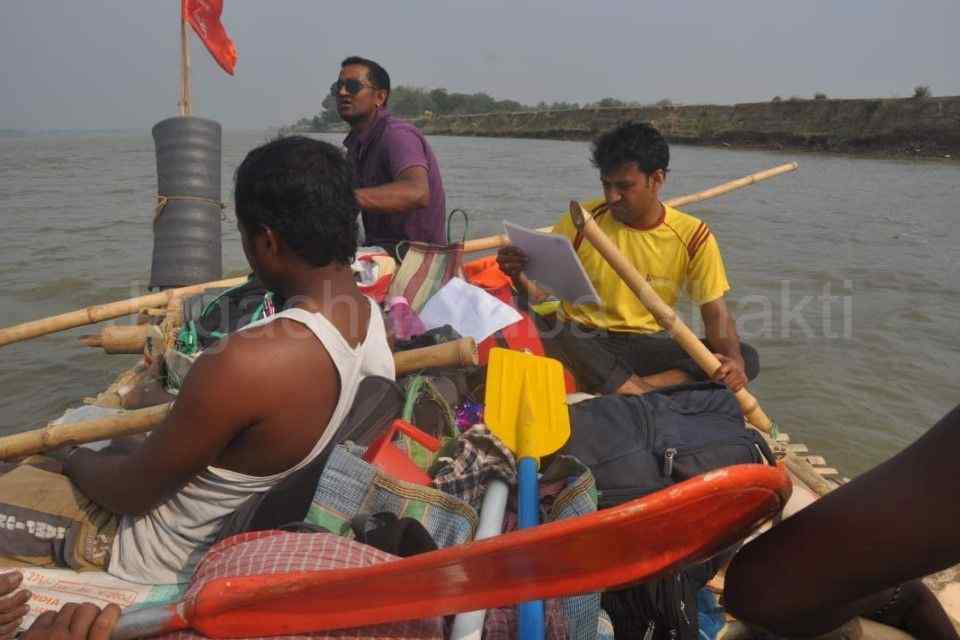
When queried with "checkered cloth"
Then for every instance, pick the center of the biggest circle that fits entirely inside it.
(270, 552)
(478, 457)
(501, 624)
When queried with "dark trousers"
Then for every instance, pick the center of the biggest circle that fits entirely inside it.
(603, 360)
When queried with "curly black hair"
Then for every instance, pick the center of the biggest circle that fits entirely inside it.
(303, 190)
(633, 141)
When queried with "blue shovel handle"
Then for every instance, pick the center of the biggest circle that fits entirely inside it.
(530, 614)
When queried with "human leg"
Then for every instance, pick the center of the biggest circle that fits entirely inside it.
(898, 523)
(653, 360)
(46, 521)
(589, 354)
(659, 360)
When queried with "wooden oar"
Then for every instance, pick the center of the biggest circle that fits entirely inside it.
(457, 353)
(665, 315)
(494, 242)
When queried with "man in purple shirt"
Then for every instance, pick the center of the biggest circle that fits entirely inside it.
(396, 175)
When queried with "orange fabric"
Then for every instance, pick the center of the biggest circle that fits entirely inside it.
(485, 274)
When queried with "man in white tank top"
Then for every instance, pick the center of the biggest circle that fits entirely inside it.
(255, 407)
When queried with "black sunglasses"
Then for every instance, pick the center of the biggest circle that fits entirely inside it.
(352, 85)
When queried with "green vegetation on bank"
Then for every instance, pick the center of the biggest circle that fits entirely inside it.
(417, 103)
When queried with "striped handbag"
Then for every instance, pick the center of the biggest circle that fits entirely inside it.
(426, 267)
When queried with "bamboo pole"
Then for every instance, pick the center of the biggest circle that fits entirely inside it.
(494, 242)
(185, 97)
(123, 338)
(664, 314)
(808, 474)
(457, 353)
(92, 315)
(99, 313)
(58, 435)
(733, 185)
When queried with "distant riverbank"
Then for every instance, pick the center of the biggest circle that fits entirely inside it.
(919, 127)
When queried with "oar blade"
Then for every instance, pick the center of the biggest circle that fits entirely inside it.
(632, 542)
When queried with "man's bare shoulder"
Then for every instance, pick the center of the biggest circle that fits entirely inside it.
(280, 350)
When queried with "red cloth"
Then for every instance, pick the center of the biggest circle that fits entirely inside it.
(204, 17)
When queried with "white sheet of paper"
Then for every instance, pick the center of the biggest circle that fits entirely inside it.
(552, 262)
(470, 310)
(52, 588)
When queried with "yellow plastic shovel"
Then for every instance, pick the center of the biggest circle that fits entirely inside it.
(515, 378)
(525, 406)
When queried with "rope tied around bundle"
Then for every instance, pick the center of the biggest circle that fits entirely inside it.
(162, 202)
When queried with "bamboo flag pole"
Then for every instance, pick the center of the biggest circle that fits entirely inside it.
(664, 314)
(99, 313)
(185, 97)
(494, 242)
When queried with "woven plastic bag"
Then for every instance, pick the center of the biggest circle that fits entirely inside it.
(350, 486)
(425, 268)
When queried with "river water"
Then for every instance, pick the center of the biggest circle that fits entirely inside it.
(845, 274)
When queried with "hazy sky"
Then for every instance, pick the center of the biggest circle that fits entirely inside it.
(114, 63)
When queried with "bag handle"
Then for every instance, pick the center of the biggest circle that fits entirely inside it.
(466, 225)
(420, 386)
(413, 393)
(303, 526)
(403, 537)
(396, 250)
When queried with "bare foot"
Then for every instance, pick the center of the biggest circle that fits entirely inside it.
(633, 386)
(638, 385)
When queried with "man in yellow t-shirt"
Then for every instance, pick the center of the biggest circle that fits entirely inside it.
(618, 346)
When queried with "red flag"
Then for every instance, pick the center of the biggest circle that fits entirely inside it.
(204, 17)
